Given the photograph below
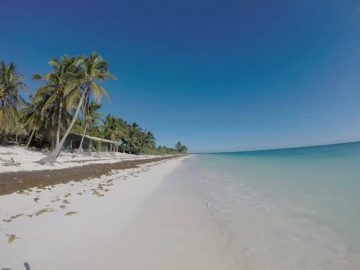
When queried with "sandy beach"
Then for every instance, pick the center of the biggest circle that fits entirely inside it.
(146, 217)
(15, 158)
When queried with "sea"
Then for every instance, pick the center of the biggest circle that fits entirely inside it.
(285, 209)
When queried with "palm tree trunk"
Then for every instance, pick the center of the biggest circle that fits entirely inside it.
(53, 142)
(31, 136)
(59, 124)
(51, 158)
(82, 139)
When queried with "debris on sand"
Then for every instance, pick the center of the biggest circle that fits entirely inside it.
(11, 162)
(44, 210)
(70, 213)
(12, 238)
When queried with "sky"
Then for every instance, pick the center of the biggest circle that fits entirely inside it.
(217, 75)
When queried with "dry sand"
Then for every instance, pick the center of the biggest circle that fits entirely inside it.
(142, 218)
(25, 160)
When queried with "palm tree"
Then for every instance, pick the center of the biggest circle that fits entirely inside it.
(114, 128)
(34, 119)
(10, 85)
(31, 118)
(147, 140)
(57, 83)
(139, 140)
(90, 72)
(133, 138)
(91, 117)
(180, 148)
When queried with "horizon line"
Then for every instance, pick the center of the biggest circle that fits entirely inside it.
(272, 149)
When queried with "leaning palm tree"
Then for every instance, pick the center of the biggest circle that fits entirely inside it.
(10, 86)
(57, 82)
(91, 71)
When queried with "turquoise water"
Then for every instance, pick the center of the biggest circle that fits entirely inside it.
(286, 209)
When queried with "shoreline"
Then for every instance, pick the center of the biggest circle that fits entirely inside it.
(21, 180)
(175, 230)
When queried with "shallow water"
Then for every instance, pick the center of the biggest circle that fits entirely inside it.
(286, 209)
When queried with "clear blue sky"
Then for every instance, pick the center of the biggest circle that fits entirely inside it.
(217, 75)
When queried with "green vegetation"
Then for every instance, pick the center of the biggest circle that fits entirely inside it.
(67, 101)
(10, 100)
(180, 148)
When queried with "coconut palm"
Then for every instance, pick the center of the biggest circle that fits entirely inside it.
(91, 118)
(90, 72)
(133, 138)
(57, 83)
(146, 141)
(138, 140)
(10, 85)
(180, 148)
(31, 118)
(114, 128)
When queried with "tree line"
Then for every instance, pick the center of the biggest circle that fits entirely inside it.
(68, 100)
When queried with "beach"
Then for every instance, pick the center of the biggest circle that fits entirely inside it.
(144, 217)
(264, 210)
(179, 135)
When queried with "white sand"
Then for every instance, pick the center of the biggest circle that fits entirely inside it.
(25, 160)
(150, 218)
